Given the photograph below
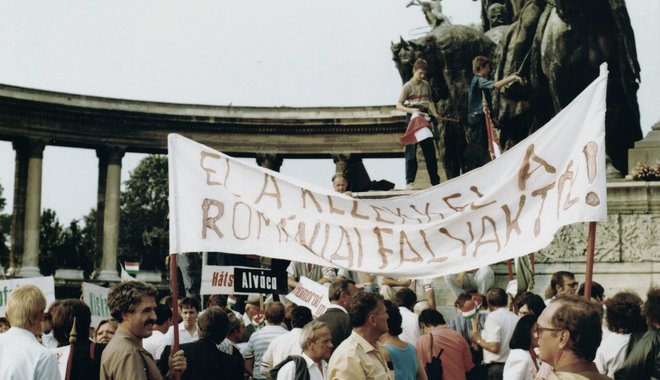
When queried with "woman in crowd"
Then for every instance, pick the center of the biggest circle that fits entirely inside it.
(528, 303)
(105, 331)
(86, 360)
(522, 362)
(401, 354)
(624, 317)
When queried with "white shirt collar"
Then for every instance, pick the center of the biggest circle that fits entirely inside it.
(336, 306)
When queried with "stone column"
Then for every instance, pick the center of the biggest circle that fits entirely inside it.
(102, 154)
(30, 266)
(18, 214)
(111, 216)
(269, 161)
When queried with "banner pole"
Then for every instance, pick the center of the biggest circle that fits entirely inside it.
(174, 288)
(492, 141)
(591, 242)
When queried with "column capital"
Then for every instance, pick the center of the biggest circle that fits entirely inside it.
(36, 148)
(111, 154)
(270, 161)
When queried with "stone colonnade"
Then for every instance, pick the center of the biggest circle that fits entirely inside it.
(26, 217)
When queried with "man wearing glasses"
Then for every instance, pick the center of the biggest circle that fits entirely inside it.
(569, 333)
(561, 283)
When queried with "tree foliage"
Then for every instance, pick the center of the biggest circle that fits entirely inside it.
(5, 231)
(144, 231)
(51, 242)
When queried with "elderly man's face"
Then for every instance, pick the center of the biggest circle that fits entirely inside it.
(340, 184)
(321, 348)
(548, 335)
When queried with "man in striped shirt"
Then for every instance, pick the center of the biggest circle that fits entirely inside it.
(261, 339)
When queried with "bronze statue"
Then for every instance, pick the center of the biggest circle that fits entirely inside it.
(559, 47)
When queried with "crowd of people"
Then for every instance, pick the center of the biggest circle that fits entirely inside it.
(361, 336)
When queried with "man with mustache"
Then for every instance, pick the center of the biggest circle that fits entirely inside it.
(132, 305)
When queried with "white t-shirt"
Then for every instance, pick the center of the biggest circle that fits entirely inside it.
(499, 328)
(184, 335)
(409, 325)
(519, 366)
(23, 357)
(612, 353)
(281, 347)
(155, 344)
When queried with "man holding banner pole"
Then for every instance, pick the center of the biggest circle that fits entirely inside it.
(132, 305)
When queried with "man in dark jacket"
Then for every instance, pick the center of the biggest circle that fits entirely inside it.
(204, 359)
(336, 316)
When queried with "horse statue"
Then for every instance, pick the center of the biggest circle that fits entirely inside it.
(558, 46)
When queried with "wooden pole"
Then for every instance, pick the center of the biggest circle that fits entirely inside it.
(73, 338)
(493, 140)
(591, 243)
(175, 305)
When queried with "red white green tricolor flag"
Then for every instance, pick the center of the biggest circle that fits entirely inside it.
(507, 208)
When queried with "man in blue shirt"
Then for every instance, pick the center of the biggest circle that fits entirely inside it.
(476, 131)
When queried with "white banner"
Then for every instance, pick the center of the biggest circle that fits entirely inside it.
(45, 284)
(510, 207)
(96, 297)
(310, 294)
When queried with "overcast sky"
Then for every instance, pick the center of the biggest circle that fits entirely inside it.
(257, 53)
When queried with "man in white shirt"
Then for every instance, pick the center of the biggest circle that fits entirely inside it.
(406, 299)
(316, 344)
(158, 340)
(497, 332)
(21, 355)
(189, 310)
(289, 343)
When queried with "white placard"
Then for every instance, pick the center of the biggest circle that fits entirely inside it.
(310, 294)
(96, 297)
(45, 284)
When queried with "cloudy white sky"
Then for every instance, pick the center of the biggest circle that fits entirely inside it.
(219, 52)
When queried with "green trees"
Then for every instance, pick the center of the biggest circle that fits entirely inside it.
(5, 228)
(144, 233)
(144, 227)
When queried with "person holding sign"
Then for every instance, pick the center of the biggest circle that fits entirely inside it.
(132, 304)
(21, 355)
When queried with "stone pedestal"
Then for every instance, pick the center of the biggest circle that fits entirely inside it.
(69, 274)
(646, 151)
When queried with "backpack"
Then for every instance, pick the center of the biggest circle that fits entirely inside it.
(434, 367)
